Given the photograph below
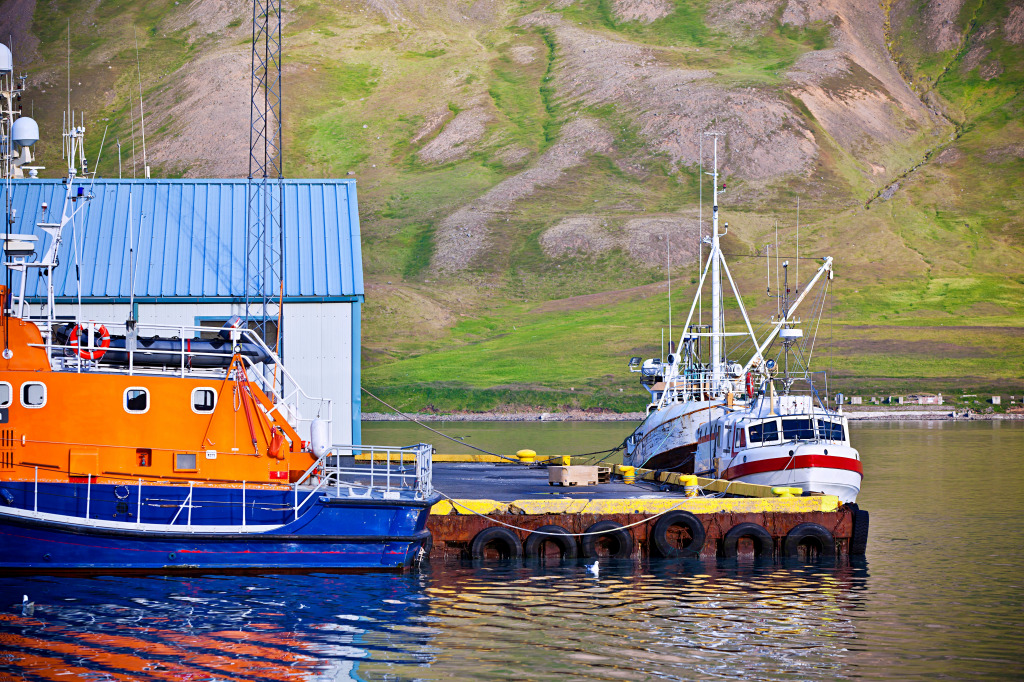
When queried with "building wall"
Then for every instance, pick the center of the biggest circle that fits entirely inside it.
(319, 354)
(317, 341)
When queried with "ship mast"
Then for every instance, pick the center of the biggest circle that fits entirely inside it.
(716, 285)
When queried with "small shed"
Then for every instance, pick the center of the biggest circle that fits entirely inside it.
(188, 238)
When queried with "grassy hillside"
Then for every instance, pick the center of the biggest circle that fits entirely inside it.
(522, 167)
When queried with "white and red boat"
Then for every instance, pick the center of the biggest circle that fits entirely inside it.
(786, 441)
(714, 409)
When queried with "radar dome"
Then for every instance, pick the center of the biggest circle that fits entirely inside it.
(6, 59)
(25, 131)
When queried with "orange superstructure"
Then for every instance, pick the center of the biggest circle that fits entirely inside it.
(112, 426)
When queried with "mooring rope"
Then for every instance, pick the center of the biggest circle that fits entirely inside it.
(515, 460)
(529, 530)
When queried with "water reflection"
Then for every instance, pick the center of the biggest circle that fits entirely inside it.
(505, 622)
(941, 597)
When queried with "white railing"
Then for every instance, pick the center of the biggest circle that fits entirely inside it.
(386, 471)
(66, 357)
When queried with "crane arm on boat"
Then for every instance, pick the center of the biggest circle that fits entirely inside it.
(762, 347)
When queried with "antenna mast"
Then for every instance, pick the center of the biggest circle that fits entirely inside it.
(716, 283)
(264, 242)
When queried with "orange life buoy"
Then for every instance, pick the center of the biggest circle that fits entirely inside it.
(750, 385)
(97, 351)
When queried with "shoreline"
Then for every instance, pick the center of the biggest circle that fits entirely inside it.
(583, 416)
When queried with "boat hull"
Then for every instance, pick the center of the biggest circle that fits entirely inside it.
(667, 439)
(43, 545)
(842, 483)
(50, 531)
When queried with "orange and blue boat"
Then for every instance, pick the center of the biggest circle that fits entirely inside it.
(146, 447)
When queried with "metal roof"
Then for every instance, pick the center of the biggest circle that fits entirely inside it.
(189, 238)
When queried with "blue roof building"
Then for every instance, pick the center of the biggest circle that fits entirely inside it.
(188, 241)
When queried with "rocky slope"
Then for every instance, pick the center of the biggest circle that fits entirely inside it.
(514, 154)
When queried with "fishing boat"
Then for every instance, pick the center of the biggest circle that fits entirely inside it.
(714, 410)
(142, 446)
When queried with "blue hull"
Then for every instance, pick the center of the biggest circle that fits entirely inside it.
(326, 533)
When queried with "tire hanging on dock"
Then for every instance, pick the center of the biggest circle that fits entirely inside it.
(763, 542)
(620, 539)
(500, 539)
(859, 537)
(565, 542)
(670, 547)
(809, 532)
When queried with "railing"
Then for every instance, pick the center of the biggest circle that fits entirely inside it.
(389, 473)
(400, 470)
(68, 357)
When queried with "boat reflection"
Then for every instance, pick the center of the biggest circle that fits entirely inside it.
(459, 622)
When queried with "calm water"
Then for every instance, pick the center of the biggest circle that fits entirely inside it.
(939, 596)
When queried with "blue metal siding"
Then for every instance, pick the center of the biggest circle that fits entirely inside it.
(190, 238)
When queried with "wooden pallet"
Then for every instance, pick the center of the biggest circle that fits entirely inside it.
(573, 475)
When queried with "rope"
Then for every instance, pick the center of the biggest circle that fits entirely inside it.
(443, 435)
(530, 530)
(514, 460)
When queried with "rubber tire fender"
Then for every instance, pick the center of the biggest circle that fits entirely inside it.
(562, 537)
(605, 528)
(659, 535)
(500, 534)
(764, 544)
(859, 537)
(809, 531)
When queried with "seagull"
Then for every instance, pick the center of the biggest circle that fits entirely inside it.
(594, 569)
(27, 607)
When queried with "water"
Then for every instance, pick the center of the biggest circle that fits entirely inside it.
(939, 597)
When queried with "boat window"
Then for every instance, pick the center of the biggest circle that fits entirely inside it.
(6, 394)
(33, 394)
(136, 400)
(765, 432)
(797, 429)
(741, 438)
(829, 430)
(203, 400)
(185, 461)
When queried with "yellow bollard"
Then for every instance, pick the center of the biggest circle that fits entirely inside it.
(527, 456)
(787, 492)
(690, 486)
(563, 460)
(628, 474)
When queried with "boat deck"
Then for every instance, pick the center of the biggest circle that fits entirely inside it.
(511, 482)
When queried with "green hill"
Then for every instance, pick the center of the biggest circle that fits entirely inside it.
(524, 167)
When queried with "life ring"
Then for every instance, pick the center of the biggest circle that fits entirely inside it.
(560, 537)
(750, 385)
(499, 539)
(621, 542)
(673, 548)
(764, 544)
(97, 352)
(809, 533)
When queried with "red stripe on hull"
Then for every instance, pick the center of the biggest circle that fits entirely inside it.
(761, 466)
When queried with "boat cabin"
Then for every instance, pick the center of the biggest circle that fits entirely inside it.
(769, 422)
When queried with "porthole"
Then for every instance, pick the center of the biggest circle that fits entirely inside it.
(33, 394)
(204, 400)
(6, 394)
(136, 400)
